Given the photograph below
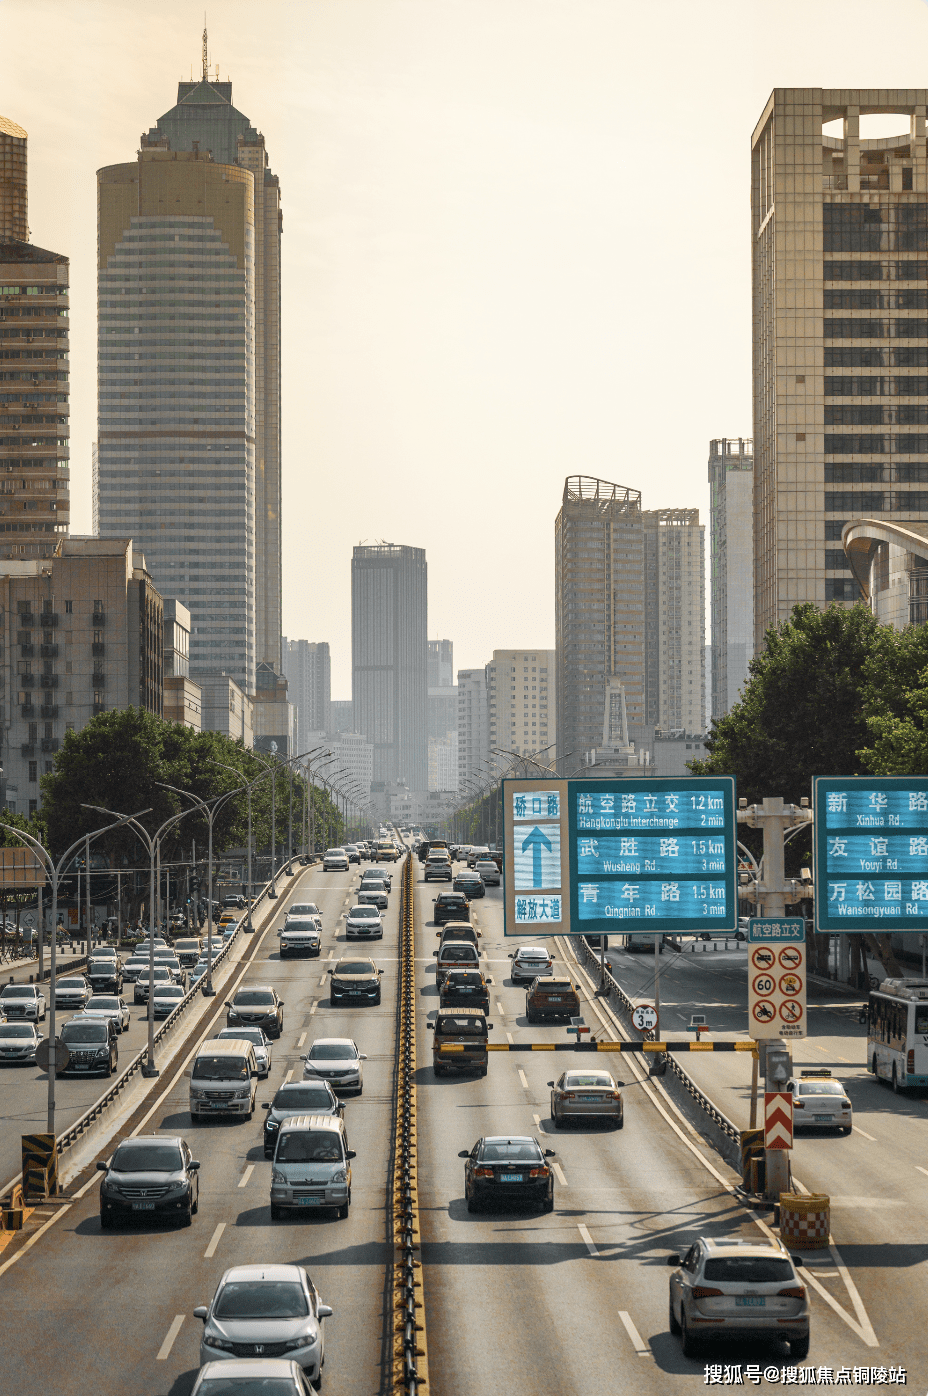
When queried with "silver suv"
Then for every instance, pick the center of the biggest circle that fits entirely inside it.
(738, 1289)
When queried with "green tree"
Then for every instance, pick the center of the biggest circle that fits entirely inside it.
(896, 706)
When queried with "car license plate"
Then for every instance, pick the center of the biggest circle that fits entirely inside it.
(81, 1066)
(143, 1206)
(465, 989)
(750, 1303)
(822, 1119)
(554, 998)
(310, 1201)
(510, 1177)
(588, 1099)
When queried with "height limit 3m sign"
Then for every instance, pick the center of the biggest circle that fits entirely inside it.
(776, 976)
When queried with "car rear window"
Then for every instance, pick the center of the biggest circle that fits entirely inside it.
(749, 1270)
(821, 1088)
(526, 1150)
(461, 1026)
(458, 952)
(550, 984)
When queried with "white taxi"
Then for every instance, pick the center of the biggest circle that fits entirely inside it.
(819, 1101)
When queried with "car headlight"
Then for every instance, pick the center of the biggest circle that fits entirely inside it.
(340, 1176)
(211, 1340)
(277, 1176)
(102, 1052)
(306, 1341)
(111, 1186)
(271, 1124)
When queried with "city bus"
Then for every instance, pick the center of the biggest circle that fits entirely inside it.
(897, 1032)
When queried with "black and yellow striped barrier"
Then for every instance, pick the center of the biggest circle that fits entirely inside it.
(40, 1165)
(683, 1046)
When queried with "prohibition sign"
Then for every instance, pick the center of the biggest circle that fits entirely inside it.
(763, 958)
(764, 984)
(763, 1011)
(790, 957)
(791, 1011)
(790, 984)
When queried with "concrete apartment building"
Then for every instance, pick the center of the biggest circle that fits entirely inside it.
(599, 612)
(443, 717)
(521, 704)
(840, 290)
(389, 660)
(183, 699)
(84, 633)
(675, 624)
(34, 435)
(473, 728)
(731, 568)
(308, 671)
(226, 708)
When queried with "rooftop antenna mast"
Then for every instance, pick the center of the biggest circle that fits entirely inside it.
(205, 62)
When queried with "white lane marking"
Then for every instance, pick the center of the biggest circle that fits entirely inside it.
(313, 1007)
(559, 1174)
(637, 1341)
(500, 1009)
(301, 1039)
(858, 1130)
(87, 1186)
(165, 1349)
(922, 1170)
(32, 1239)
(587, 1239)
(246, 1175)
(509, 1037)
(211, 1248)
(288, 1076)
(537, 1119)
(322, 980)
(864, 1329)
(523, 1078)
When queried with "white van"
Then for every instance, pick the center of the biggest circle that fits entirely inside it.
(315, 1144)
(224, 1078)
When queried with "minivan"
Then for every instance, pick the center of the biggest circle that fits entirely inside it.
(454, 954)
(460, 1040)
(316, 1145)
(224, 1078)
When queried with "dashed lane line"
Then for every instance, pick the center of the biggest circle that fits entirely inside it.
(587, 1240)
(301, 1039)
(922, 1170)
(500, 1009)
(243, 1180)
(559, 1174)
(313, 1007)
(638, 1342)
(165, 1349)
(509, 1037)
(523, 1078)
(288, 1077)
(207, 1255)
(858, 1130)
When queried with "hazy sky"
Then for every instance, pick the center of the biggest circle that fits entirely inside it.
(516, 248)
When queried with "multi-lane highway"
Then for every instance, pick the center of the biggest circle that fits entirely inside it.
(572, 1301)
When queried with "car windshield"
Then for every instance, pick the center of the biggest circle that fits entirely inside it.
(821, 1088)
(302, 1098)
(254, 998)
(19, 991)
(255, 1299)
(100, 1002)
(463, 1026)
(304, 909)
(220, 1069)
(16, 1030)
(507, 1150)
(332, 1052)
(249, 1386)
(71, 984)
(83, 1032)
(749, 1270)
(309, 1146)
(147, 1158)
(171, 991)
(361, 913)
(254, 1035)
(354, 967)
(295, 924)
(575, 1079)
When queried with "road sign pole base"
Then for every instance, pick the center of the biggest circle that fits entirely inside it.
(209, 992)
(148, 1070)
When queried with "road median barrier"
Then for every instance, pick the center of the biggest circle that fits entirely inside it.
(805, 1220)
(410, 1355)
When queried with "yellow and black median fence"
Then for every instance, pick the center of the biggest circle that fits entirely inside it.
(40, 1165)
(682, 1046)
(410, 1356)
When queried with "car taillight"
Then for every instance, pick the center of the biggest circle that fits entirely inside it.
(910, 1059)
(539, 1172)
(704, 1292)
(616, 1095)
(483, 1172)
(794, 1292)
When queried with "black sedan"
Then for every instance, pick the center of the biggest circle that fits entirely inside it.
(450, 906)
(150, 1175)
(502, 1168)
(355, 981)
(298, 1098)
(258, 1006)
(465, 988)
(470, 883)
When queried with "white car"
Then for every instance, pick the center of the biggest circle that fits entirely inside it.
(162, 975)
(373, 892)
(18, 1042)
(22, 1001)
(256, 1306)
(363, 923)
(133, 967)
(303, 909)
(336, 1060)
(262, 1045)
(299, 935)
(72, 992)
(335, 860)
(488, 871)
(109, 1006)
(530, 962)
(276, 1374)
(820, 1102)
(166, 998)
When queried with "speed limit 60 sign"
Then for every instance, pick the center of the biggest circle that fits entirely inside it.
(777, 976)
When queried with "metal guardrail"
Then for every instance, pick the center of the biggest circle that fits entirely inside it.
(708, 1107)
(410, 1353)
(71, 1136)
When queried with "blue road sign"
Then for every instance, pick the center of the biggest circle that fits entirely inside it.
(871, 853)
(537, 860)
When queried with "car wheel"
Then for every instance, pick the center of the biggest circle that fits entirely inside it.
(847, 1129)
(799, 1348)
(530, 1017)
(558, 1122)
(620, 1121)
(186, 1218)
(671, 1320)
(42, 1019)
(106, 1222)
(195, 1205)
(377, 1000)
(439, 1070)
(687, 1341)
(276, 1212)
(342, 1211)
(548, 1204)
(873, 1068)
(472, 1203)
(316, 1382)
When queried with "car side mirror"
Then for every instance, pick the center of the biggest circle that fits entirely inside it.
(577, 987)
(193, 1165)
(329, 971)
(464, 1153)
(380, 971)
(434, 952)
(228, 1004)
(673, 1260)
(280, 1003)
(303, 1059)
(797, 1260)
(549, 1153)
(489, 1027)
(201, 1311)
(324, 1311)
(266, 1105)
(512, 957)
(550, 1083)
(351, 1154)
(362, 1056)
(102, 1167)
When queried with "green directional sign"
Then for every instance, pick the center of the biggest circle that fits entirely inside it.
(871, 853)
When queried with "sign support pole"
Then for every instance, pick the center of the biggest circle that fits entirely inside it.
(754, 1059)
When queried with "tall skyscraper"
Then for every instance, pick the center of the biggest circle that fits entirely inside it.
(599, 611)
(731, 551)
(443, 717)
(521, 698)
(839, 239)
(473, 729)
(389, 659)
(441, 663)
(675, 619)
(188, 457)
(308, 671)
(34, 435)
